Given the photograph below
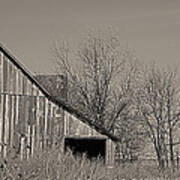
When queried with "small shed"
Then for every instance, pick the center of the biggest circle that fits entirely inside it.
(31, 118)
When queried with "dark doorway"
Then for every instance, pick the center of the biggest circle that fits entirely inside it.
(93, 148)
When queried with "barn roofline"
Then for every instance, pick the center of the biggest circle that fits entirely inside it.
(58, 102)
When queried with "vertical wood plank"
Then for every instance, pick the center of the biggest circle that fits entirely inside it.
(17, 81)
(5, 125)
(29, 88)
(62, 121)
(24, 85)
(67, 116)
(5, 75)
(9, 118)
(113, 152)
(4, 150)
(48, 124)
(41, 94)
(56, 121)
(108, 152)
(29, 142)
(51, 124)
(21, 123)
(1, 121)
(37, 91)
(34, 90)
(17, 110)
(1, 72)
(6, 135)
(32, 140)
(20, 82)
(16, 120)
(12, 121)
(37, 121)
(10, 78)
(60, 124)
(42, 119)
(65, 123)
(13, 80)
(26, 111)
(22, 147)
(45, 122)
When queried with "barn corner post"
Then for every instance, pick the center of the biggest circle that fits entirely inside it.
(110, 153)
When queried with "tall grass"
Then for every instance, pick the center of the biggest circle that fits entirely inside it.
(52, 165)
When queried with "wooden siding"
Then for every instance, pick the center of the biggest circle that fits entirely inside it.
(20, 118)
(27, 118)
(30, 121)
(75, 127)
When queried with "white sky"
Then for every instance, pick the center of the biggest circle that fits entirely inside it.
(150, 27)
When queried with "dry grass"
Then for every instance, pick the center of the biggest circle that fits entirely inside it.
(54, 166)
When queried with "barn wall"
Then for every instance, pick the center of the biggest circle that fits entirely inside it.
(29, 121)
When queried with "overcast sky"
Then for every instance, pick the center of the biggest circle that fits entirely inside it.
(151, 28)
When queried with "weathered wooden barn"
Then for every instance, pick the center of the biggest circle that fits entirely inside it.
(30, 118)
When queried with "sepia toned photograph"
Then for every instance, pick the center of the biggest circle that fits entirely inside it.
(89, 90)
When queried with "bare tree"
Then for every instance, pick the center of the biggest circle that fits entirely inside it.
(101, 77)
(160, 109)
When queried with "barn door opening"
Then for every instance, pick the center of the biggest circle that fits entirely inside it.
(93, 148)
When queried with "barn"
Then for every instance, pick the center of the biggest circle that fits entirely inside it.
(32, 119)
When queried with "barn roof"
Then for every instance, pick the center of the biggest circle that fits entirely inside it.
(58, 102)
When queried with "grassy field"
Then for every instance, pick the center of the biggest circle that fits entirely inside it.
(55, 166)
